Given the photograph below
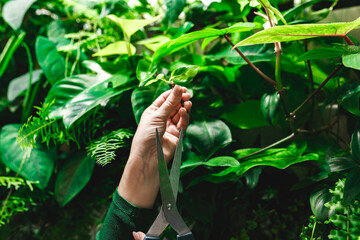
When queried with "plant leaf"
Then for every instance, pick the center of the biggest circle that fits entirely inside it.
(222, 161)
(13, 12)
(245, 115)
(75, 96)
(114, 48)
(352, 61)
(338, 164)
(351, 101)
(51, 62)
(352, 183)
(355, 145)
(298, 32)
(319, 53)
(73, 177)
(34, 164)
(144, 71)
(208, 135)
(173, 10)
(317, 200)
(184, 75)
(19, 84)
(269, 104)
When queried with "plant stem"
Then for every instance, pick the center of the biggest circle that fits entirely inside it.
(313, 231)
(348, 40)
(26, 106)
(268, 147)
(76, 61)
(263, 75)
(318, 89)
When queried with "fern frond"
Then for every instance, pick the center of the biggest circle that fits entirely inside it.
(103, 149)
(15, 182)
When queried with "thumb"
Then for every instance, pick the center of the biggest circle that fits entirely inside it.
(171, 102)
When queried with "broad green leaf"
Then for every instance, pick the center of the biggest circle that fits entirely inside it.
(245, 115)
(73, 177)
(173, 10)
(18, 85)
(317, 200)
(97, 68)
(51, 62)
(298, 32)
(144, 70)
(34, 164)
(252, 177)
(130, 26)
(355, 145)
(13, 12)
(351, 102)
(184, 75)
(56, 31)
(154, 43)
(184, 40)
(142, 97)
(208, 135)
(75, 96)
(269, 104)
(352, 61)
(114, 48)
(338, 164)
(352, 185)
(223, 161)
(319, 53)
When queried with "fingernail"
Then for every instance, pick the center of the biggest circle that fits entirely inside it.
(134, 234)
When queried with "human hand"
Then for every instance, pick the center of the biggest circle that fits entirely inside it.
(138, 235)
(140, 181)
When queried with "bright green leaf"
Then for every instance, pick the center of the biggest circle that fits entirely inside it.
(208, 135)
(51, 62)
(184, 75)
(246, 115)
(114, 48)
(20, 84)
(298, 32)
(144, 70)
(154, 43)
(13, 12)
(34, 164)
(352, 61)
(77, 95)
(73, 177)
(173, 10)
(222, 161)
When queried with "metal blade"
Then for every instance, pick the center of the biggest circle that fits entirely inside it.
(158, 225)
(175, 167)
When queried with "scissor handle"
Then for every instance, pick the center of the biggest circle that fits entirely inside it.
(151, 238)
(186, 236)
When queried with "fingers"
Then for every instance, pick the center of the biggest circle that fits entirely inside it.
(187, 106)
(184, 119)
(138, 235)
(168, 102)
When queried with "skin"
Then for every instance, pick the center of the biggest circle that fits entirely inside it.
(139, 183)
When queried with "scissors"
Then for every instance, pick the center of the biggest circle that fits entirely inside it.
(169, 214)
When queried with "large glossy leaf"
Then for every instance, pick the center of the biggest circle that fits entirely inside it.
(245, 115)
(269, 104)
(115, 48)
(351, 101)
(317, 200)
(355, 145)
(142, 97)
(298, 32)
(130, 26)
(208, 135)
(20, 84)
(352, 61)
(77, 95)
(51, 62)
(222, 161)
(13, 12)
(73, 177)
(34, 164)
(338, 164)
(173, 10)
(184, 75)
(352, 185)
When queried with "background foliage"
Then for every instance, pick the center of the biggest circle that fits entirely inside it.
(272, 151)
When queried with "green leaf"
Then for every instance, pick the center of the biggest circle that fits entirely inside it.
(34, 164)
(51, 62)
(184, 75)
(245, 115)
(269, 104)
(319, 53)
(293, 12)
(208, 135)
(352, 185)
(173, 10)
(18, 85)
(73, 177)
(351, 101)
(142, 97)
(273, 10)
(317, 200)
(154, 43)
(352, 61)
(338, 164)
(114, 48)
(222, 161)
(130, 26)
(77, 95)
(355, 145)
(56, 31)
(298, 32)
(13, 12)
(144, 70)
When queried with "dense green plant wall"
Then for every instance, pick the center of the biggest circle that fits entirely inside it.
(274, 124)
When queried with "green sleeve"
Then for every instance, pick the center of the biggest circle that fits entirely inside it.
(123, 218)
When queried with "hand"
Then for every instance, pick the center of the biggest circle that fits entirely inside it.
(138, 235)
(140, 181)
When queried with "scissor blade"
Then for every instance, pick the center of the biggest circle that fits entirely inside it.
(175, 168)
(158, 225)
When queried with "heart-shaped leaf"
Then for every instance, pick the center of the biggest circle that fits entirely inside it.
(73, 177)
(13, 12)
(352, 61)
(20, 84)
(34, 164)
(115, 48)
